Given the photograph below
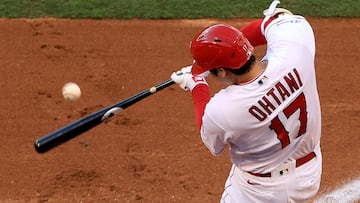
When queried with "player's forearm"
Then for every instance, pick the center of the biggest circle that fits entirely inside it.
(252, 32)
(201, 96)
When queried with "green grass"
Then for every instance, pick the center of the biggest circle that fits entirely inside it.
(169, 9)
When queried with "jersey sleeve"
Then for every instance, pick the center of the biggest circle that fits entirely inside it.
(289, 34)
(213, 136)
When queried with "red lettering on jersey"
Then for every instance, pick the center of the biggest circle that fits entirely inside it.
(278, 127)
(298, 103)
(272, 94)
(282, 133)
(257, 113)
(267, 105)
(298, 77)
(282, 90)
(276, 95)
(290, 80)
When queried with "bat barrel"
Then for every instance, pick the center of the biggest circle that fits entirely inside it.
(68, 132)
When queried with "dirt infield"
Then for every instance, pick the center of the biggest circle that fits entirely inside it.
(151, 152)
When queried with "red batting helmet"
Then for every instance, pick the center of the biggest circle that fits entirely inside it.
(219, 46)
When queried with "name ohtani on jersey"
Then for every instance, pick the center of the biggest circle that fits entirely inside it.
(282, 90)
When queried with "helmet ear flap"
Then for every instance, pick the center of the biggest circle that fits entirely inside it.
(220, 46)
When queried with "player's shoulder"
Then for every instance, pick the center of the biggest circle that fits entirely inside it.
(282, 22)
(221, 100)
(228, 100)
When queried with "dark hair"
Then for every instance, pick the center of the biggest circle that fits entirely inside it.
(242, 70)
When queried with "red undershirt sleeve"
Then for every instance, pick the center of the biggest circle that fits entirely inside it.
(252, 32)
(201, 96)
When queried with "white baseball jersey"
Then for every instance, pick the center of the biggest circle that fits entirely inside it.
(276, 116)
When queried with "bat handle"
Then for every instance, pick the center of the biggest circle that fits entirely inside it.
(164, 84)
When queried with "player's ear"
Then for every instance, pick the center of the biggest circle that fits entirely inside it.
(221, 72)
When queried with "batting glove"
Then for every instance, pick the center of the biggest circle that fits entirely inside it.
(186, 80)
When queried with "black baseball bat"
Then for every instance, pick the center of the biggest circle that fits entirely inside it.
(85, 123)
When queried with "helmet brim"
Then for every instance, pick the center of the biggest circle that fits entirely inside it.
(197, 70)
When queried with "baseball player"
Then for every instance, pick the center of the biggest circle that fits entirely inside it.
(269, 114)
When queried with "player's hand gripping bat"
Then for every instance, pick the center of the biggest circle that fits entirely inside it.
(74, 129)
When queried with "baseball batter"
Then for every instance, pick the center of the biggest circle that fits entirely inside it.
(269, 114)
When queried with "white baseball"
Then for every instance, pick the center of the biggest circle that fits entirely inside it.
(153, 89)
(71, 91)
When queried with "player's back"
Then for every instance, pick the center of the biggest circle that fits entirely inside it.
(277, 116)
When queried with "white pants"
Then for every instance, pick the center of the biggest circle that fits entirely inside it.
(299, 186)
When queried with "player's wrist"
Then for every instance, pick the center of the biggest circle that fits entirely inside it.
(195, 81)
